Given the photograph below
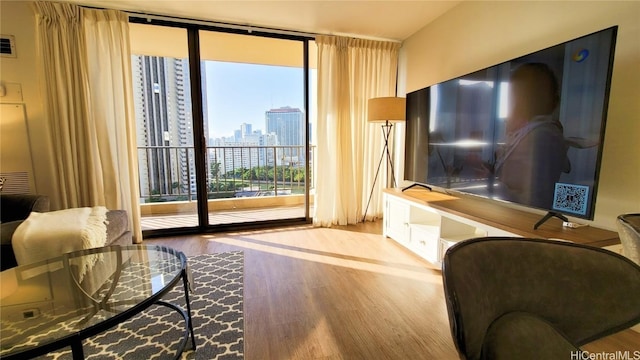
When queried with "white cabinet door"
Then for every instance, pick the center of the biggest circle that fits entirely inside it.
(396, 220)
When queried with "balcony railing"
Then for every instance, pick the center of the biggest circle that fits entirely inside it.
(167, 173)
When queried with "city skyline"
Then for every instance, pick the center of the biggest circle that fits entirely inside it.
(243, 93)
(238, 96)
(253, 130)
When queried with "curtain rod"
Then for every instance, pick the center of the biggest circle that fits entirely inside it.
(231, 26)
(247, 28)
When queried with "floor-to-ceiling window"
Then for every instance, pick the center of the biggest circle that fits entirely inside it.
(225, 121)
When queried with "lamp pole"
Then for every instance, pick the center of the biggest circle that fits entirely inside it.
(387, 110)
(386, 131)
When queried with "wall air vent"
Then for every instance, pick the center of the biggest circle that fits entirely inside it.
(7, 46)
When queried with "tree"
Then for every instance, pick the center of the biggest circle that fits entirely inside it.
(214, 170)
(299, 175)
(175, 185)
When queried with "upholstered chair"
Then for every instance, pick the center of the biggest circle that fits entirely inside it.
(516, 298)
(629, 231)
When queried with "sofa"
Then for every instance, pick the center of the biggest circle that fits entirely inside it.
(14, 209)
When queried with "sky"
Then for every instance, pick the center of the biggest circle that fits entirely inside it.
(241, 93)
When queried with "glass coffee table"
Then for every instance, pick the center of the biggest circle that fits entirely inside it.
(59, 302)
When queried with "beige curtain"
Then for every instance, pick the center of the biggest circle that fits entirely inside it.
(86, 65)
(350, 71)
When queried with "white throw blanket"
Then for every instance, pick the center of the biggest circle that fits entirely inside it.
(45, 235)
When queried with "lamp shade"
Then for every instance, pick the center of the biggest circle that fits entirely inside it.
(386, 109)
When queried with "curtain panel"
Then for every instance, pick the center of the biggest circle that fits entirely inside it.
(86, 67)
(350, 72)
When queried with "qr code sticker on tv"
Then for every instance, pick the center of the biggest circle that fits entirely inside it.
(571, 198)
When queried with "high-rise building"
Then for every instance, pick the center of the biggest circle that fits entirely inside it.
(245, 129)
(288, 125)
(249, 151)
(162, 96)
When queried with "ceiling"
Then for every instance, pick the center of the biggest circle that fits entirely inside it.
(388, 20)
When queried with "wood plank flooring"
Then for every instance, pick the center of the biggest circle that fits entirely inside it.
(341, 293)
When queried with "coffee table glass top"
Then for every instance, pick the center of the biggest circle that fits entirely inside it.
(82, 293)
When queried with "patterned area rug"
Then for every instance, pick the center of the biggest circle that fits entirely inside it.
(216, 309)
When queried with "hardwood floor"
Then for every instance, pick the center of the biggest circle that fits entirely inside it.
(341, 293)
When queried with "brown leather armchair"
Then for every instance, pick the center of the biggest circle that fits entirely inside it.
(516, 298)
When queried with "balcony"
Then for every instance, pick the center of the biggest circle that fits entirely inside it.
(245, 184)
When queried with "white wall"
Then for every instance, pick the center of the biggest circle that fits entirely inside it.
(478, 34)
(17, 19)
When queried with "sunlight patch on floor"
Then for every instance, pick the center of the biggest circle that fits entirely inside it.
(335, 254)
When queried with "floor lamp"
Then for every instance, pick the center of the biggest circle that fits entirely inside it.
(385, 110)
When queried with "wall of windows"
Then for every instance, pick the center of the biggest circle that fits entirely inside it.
(223, 126)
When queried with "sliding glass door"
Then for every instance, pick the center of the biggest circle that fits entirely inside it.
(256, 121)
(223, 127)
(162, 98)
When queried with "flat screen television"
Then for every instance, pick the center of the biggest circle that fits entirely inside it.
(528, 131)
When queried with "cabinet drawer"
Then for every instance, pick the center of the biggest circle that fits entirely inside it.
(424, 241)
